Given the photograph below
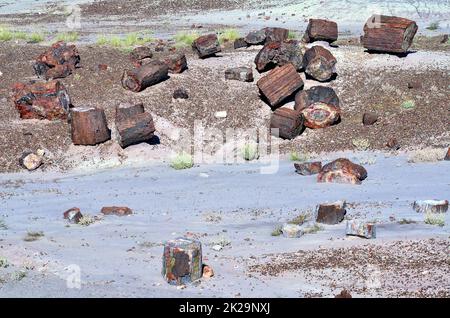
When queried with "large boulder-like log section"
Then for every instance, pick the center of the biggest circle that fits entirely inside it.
(133, 124)
(321, 30)
(140, 78)
(388, 34)
(177, 63)
(59, 61)
(41, 100)
(206, 45)
(316, 94)
(288, 122)
(89, 126)
(319, 63)
(342, 171)
(279, 53)
(321, 115)
(279, 84)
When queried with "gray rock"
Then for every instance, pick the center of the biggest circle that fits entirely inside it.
(244, 74)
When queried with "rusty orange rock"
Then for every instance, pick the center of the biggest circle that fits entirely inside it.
(342, 171)
(447, 156)
(115, 210)
(321, 115)
(207, 271)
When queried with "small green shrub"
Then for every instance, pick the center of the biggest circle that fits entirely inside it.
(299, 220)
(18, 276)
(71, 36)
(3, 225)
(409, 104)
(102, 40)
(277, 231)
(295, 156)
(33, 236)
(313, 229)
(228, 35)
(250, 151)
(5, 34)
(185, 38)
(406, 221)
(182, 161)
(3, 262)
(433, 26)
(292, 35)
(86, 220)
(435, 219)
(36, 37)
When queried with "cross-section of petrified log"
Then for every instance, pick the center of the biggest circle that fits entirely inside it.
(89, 126)
(280, 83)
(388, 34)
(177, 62)
(41, 100)
(58, 61)
(319, 63)
(321, 115)
(288, 122)
(145, 76)
(321, 30)
(206, 45)
(321, 94)
(135, 129)
(182, 261)
(279, 53)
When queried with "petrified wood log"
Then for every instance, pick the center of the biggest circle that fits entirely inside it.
(116, 210)
(41, 100)
(321, 30)
(140, 55)
(388, 34)
(65, 58)
(182, 261)
(135, 129)
(279, 53)
(288, 122)
(89, 126)
(206, 45)
(331, 213)
(321, 115)
(73, 215)
(342, 171)
(256, 37)
(319, 63)
(315, 94)
(276, 34)
(243, 74)
(361, 229)
(145, 76)
(177, 62)
(280, 83)
(240, 43)
(126, 110)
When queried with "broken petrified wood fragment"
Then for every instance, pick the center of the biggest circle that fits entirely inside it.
(276, 34)
(279, 53)
(240, 43)
(319, 63)
(59, 61)
(116, 210)
(342, 171)
(182, 261)
(321, 30)
(308, 168)
(89, 126)
(331, 213)
(393, 144)
(288, 122)
(135, 129)
(73, 215)
(321, 115)
(447, 156)
(41, 100)
(177, 63)
(322, 94)
(279, 84)
(388, 34)
(431, 206)
(206, 45)
(256, 37)
(369, 119)
(141, 55)
(361, 229)
(145, 76)
(243, 74)
(343, 294)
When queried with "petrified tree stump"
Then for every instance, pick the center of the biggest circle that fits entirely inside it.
(316, 94)
(279, 53)
(135, 129)
(331, 213)
(206, 46)
(280, 83)
(145, 76)
(89, 126)
(288, 122)
(319, 63)
(182, 261)
(59, 61)
(321, 30)
(41, 100)
(177, 62)
(321, 115)
(388, 34)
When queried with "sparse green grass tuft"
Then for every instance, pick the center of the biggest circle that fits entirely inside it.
(36, 37)
(33, 236)
(182, 161)
(3, 262)
(126, 42)
(361, 144)
(313, 229)
(435, 219)
(86, 220)
(299, 220)
(409, 104)
(71, 36)
(19, 35)
(292, 35)
(228, 35)
(406, 221)
(3, 225)
(5, 34)
(295, 156)
(18, 276)
(277, 231)
(185, 38)
(250, 151)
(433, 26)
